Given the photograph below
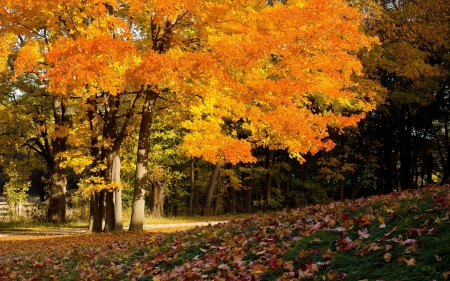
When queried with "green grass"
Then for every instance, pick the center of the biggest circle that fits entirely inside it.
(23, 224)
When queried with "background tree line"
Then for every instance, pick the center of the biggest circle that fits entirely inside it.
(73, 110)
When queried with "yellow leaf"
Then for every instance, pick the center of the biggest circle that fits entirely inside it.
(387, 257)
(332, 274)
(410, 262)
(381, 219)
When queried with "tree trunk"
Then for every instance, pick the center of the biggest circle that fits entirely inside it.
(445, 160)
(109, 219)
(102, 207)
(193, 186)
(229, 206)
(269, 162)
(57, 200)
(115, 177)
(429, 168)
(355, 183)
(138, 208)
(118, 226)
(386, 166)
(217, 197)
(248, 199)
(95, 221)
(157, 206)
(287, 184)
(342, 190)
(405, 152)
(207, 211)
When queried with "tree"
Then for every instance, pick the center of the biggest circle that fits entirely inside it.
(284, 72)
(411, 63)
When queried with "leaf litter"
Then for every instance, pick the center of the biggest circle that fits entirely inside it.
(335, 241)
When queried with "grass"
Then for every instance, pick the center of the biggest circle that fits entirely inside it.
(23, 224)
(401, 236)
(28, 225)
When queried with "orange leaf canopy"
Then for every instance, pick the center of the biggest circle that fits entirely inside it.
(279, 73)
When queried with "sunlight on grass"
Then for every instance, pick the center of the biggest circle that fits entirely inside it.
(29, 225)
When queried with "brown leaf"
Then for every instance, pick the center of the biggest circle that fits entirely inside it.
(387, 257)
(332, 274)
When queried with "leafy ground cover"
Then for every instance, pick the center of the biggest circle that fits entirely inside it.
(401, 236)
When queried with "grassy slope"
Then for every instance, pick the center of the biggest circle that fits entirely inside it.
(402, 236)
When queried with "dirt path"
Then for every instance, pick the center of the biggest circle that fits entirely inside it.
(72, 231)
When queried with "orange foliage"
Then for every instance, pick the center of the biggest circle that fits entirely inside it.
(283, 71)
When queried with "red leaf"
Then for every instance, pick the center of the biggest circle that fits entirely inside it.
(273, 264)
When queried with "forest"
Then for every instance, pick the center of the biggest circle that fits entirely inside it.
(169, 108)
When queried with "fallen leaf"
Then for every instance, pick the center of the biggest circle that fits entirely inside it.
(407, 241)
(13, 274)
(415, 231)
(410, 262)
(328, 254)
(387, 257)
(446, 274)
(363, 233)
(438, 258)
(389, 233)
(289, 265)
(257, 269)
(332, 274)
(224, 267)
(273, 264)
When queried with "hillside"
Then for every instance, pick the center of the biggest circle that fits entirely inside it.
(401, 236)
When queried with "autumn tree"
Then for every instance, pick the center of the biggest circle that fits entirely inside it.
(284, 71)
(34, 122)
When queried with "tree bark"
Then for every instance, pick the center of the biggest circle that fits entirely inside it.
(269, 163)
(109, 219)
(157, 206)
(117, 198)
(95, 221)
(207, 211)
(405, 152)
(355, 174)
(230, 204)
(57, 200)
(429, 168)
(193, 190)
(288, 183)
(138, 207)
(445, 160)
